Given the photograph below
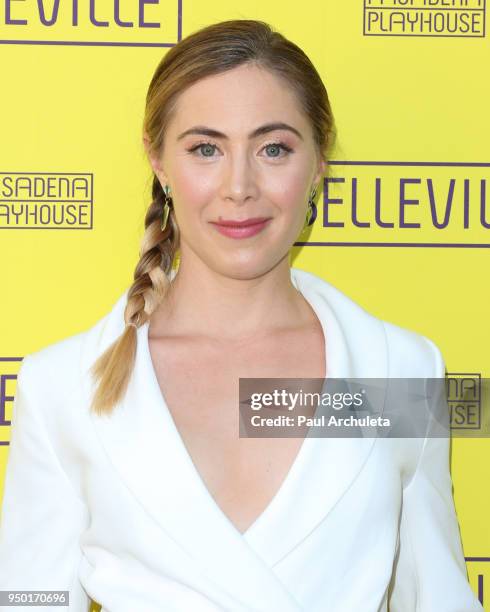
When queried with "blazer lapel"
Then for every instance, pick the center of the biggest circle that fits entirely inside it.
(145, 448)
(326, 467)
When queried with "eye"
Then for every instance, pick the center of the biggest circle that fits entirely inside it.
(207, 149)
(277, 146)
(203, 146)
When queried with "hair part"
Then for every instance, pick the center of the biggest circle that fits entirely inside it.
(211, 50)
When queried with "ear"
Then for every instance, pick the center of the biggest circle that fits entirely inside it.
(155, 162)
(321, 169)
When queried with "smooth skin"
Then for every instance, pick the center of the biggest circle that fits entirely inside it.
(232, 310)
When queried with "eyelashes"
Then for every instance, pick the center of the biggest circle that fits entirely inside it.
(281, 145)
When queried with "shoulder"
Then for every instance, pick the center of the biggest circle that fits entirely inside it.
(408, 353)
(412, 354)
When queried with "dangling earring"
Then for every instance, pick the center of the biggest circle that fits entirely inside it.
(311, 205)
(166, 206)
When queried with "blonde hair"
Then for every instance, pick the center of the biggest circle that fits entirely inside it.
(211, 50)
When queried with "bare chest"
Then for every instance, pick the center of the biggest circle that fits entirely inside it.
(200, 386)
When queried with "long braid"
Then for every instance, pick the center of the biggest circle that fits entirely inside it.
(113, 368)
(156, 257)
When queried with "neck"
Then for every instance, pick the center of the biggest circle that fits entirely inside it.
(206, 302)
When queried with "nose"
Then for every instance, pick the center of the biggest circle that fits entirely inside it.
(239, 182)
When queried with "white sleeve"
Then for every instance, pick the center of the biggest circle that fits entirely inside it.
(430, 569)
(42, 516)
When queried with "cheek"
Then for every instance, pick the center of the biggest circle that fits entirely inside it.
(289, 192)
(193, 188)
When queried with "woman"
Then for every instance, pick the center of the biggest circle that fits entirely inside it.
(132, 486)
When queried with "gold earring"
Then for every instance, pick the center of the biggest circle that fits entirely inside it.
(311, 205)
(166, 206)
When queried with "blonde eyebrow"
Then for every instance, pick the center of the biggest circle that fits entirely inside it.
(202, 130)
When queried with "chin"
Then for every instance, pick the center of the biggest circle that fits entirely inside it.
(249, 268)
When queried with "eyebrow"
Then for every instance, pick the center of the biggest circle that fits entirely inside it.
(263, 129)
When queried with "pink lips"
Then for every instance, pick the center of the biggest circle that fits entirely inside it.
(241, 229)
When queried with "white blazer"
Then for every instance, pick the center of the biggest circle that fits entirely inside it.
(115, 510)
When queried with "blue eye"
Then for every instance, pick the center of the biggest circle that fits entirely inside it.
(208, 147)
(201, 146)
(278, 146)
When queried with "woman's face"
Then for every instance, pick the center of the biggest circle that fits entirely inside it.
(222, 162)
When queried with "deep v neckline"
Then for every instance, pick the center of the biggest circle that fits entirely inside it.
(296, 467)
(140, 449)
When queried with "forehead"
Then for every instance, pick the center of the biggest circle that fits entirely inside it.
(241, 98)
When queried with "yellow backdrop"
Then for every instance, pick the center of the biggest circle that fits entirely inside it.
(402, 225)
